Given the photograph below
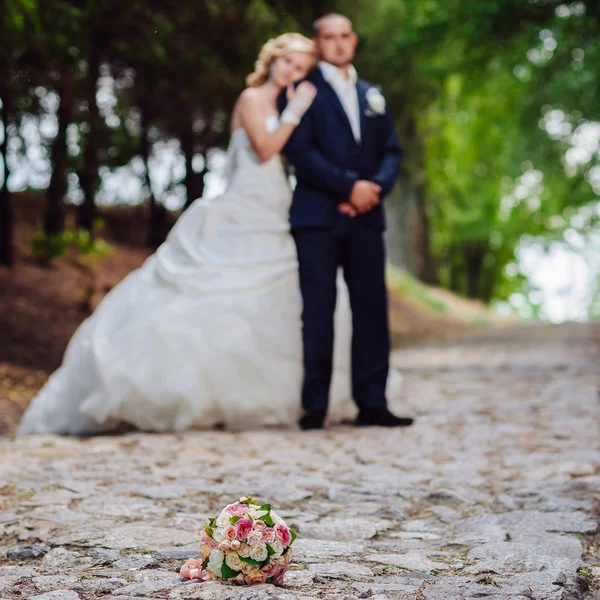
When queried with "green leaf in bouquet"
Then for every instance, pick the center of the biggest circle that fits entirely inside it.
(270, 550)
(266, 507)
(212, 523)
(234, 520)
(251, 562)
(268, 520)
(208, 530)
(247, 500)
(294, 536)
(228, 572)
(205, 563)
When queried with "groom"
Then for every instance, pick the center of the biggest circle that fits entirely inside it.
(346, 158)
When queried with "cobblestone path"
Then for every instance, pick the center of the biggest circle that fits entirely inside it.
(494, 493)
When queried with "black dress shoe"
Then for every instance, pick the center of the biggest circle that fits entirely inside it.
(312, 420)
(382, 417)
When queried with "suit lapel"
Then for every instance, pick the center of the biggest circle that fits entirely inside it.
(363, 107)
(334, 98)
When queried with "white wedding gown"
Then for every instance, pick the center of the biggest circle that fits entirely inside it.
(207, 331)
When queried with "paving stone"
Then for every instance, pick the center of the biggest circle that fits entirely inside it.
(414, 561)
(47, 583)
(212, 590)
(341, 569)
(136, 561)
(26, 552)
(18, 572)
(344, 529)
(61, 559)
(56, 595)
(312, 548)
(86, 587)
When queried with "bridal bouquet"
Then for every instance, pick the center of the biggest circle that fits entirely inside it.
(247, 543)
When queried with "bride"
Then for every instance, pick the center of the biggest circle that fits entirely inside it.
(208, 330)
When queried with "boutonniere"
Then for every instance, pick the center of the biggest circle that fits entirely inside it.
(376, 101)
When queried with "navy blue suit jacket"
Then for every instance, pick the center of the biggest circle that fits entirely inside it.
(328, 160)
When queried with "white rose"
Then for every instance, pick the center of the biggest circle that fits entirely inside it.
(259, 552)
(289, 555)
(215, 562)
(218, 535)
(276, 518)
(277, 547)
(244, 550)
(376, 100)
(255, 514)
(223, 519)
(254, 537)
(233, 561)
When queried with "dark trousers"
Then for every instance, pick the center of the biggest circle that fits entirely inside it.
(361, 253)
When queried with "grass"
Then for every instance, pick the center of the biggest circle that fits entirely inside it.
(438, 301)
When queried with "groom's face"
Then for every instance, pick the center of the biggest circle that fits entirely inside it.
(336, 41)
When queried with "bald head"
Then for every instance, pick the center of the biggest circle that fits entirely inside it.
(335, 40)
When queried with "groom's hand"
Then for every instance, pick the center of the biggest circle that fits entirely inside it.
(347, 209)
(365, 196)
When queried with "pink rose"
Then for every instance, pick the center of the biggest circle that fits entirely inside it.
(242, 528)
(270, 569)
(279, 575)
(235, 545)
(283, 534)
(207, 540)
(268, 535)
(237, 509)
(224, 546)
(259, 525)
(230, 533)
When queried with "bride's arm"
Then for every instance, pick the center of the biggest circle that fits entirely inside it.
(251, 108)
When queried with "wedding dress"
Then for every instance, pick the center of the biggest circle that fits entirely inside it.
(207, 331)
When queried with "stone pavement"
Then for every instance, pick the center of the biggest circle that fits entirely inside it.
(493, 493)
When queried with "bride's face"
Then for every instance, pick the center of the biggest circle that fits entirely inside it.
(291, 67)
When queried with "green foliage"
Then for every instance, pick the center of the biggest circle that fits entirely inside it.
(227, 572)
(252, 562)
(472, 85)
(74, 242)
(404, 284)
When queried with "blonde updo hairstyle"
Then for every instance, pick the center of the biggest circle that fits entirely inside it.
(272, 50)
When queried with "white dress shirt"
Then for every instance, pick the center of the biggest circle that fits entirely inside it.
(345, 88)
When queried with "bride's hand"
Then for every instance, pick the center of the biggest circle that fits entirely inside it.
(301, 98)
(305, 90)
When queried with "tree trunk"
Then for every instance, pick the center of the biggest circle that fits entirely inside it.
(194, 182)
(419, 227)
(474, 253)
(426, 269)
(54, 218)
(88, 177)
(7, 253)
(157, 218)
